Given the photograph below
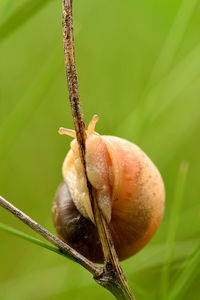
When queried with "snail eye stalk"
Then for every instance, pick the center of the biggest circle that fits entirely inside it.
(91, 126)
(67, 131)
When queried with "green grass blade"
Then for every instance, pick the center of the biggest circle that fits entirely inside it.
(181, 76)
(21, 16)
(189, 273)
(158, 84)
(5, 6)
(173, 226)
(24, 283)
(173, 40)
(21, 114)
(29, 238)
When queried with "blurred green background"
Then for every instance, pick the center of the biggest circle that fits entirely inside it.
(139, 69)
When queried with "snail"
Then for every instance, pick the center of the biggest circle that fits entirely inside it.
(129, 191)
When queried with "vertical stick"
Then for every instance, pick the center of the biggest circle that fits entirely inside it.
(72, 80)
(115, 279)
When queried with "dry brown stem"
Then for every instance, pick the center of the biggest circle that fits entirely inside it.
(70, 252)
(72, 80)
(112, 277)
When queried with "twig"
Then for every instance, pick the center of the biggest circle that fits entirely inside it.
(72, 80)
(113, 278)
(73, 254)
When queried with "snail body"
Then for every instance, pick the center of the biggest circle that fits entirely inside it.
(127, 186)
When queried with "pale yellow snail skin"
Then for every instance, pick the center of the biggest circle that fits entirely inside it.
(128, 188)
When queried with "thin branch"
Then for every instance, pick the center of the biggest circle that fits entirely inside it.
(113, 278)
(72, 80)
(66, 249)
(117, 284)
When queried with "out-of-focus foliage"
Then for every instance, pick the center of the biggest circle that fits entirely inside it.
(139, 69)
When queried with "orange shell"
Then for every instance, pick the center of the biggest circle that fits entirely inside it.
(132, 182)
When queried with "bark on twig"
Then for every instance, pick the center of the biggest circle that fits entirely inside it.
(113, 277)
(72, 80)
(73, 254)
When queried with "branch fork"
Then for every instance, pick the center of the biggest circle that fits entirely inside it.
(110, 276)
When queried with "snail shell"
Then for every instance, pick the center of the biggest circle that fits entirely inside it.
(128, 188)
